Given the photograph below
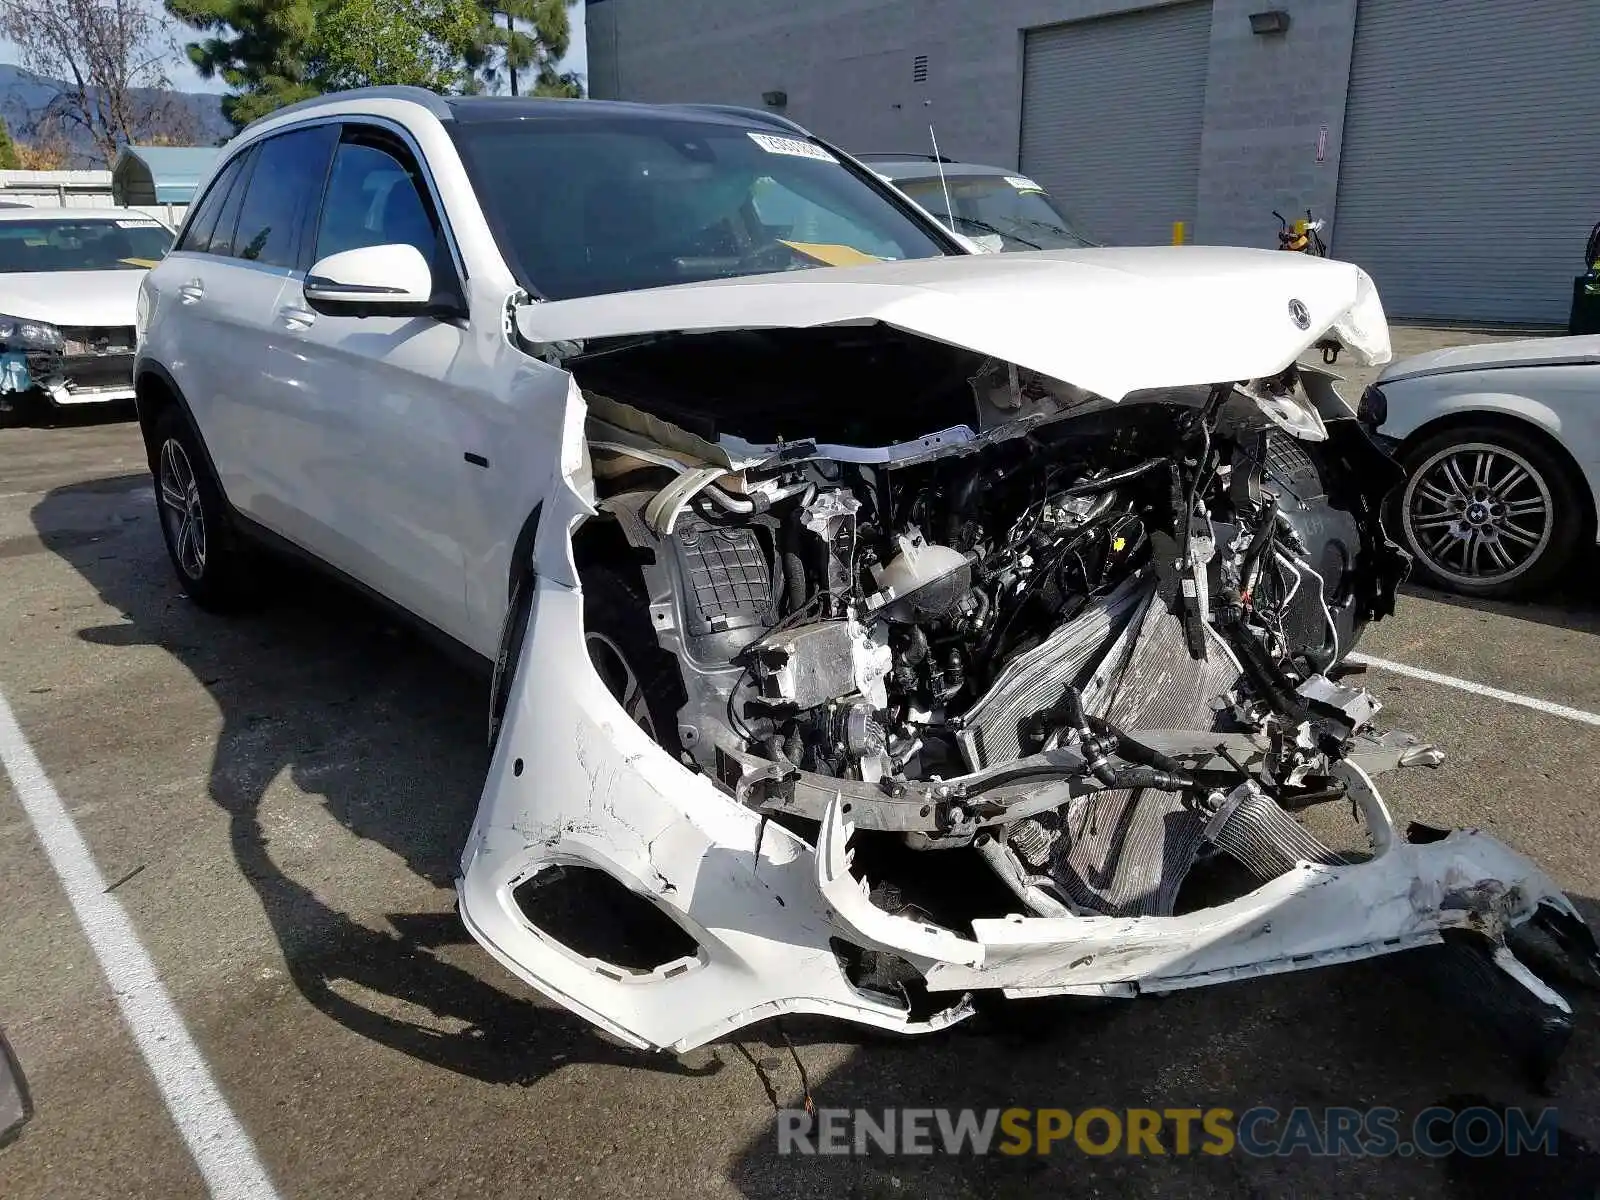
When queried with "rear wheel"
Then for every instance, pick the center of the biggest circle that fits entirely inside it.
(1489, 511)
(213, 564)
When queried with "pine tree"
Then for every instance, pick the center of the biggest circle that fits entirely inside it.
(275, 52)
(519, 36)
(262, 49)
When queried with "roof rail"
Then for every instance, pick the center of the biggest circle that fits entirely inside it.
(897, 156)
(754, 114)
(431, 101)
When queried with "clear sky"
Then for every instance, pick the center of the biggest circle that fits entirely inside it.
(185, 79)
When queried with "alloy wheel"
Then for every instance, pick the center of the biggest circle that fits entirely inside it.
(1479, 514)
(182, 514)
(620, 679)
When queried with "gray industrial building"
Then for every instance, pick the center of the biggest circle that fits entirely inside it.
(1454, 145)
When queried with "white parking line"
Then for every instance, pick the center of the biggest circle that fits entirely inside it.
(1549, 707)
(220, 1147)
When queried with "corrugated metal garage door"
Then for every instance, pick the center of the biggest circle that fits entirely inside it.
(1111, 114)
(1470, 174)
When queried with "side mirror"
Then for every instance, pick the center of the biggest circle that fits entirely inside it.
(371, 281)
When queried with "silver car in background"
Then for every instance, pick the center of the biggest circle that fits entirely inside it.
(1501, 447)
(996, 207)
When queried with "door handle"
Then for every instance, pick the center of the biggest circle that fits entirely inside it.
(191, 292)
(297, 317)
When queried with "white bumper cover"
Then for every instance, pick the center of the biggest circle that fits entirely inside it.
(574, 782)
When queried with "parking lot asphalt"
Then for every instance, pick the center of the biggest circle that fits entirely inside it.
(279, 801)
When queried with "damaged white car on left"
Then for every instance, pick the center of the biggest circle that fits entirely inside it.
(69, 282)
(876, 625)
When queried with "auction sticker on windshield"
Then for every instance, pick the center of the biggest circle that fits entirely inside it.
(793, 147)
(1023, 185)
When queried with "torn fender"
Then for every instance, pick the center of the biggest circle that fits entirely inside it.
(573, 781)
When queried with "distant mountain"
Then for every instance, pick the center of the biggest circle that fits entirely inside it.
(25, 99)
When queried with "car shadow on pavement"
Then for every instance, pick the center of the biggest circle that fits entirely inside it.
(390, 735)
(1572, 602)
(42, 416)
(1353, 1036)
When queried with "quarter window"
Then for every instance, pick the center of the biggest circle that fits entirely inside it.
(220, 240)
(197, 234)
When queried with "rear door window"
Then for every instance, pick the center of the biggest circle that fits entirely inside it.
(283, 190)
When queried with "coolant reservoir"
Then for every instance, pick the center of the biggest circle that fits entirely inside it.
(921, 583)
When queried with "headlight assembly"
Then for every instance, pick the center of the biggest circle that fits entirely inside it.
(17, 333)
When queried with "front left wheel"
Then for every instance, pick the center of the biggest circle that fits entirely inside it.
(213, 564)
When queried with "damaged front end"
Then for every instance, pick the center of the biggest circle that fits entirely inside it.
(64, 365)
(1035, 705)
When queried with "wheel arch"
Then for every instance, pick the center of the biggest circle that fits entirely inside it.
(155, 393)
(599, 539)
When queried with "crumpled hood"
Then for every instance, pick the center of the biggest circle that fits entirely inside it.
(72, 297)
(1111, 320)
(1489, 356)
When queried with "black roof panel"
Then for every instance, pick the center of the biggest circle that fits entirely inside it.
(470, 110)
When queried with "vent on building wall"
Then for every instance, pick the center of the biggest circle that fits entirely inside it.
(919, 69)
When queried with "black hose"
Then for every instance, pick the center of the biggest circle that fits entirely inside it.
(1259, 543)
(1085, 487)
(1155, 771)
(778, 592)
(1133, 778)
(1264, 674)
(1135, 751)
(1096, 760)
(794, 567)
(961, 504)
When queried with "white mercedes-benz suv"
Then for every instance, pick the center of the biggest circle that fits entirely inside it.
(875, 623)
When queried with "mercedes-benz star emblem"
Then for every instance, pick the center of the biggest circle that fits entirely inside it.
(1299, 315)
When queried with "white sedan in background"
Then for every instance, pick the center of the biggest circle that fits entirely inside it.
(69, 289)
(1501, 446)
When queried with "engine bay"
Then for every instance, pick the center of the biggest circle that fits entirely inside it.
(1075, 648)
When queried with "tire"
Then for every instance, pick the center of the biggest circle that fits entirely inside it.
(1489, 510)
(642, 676)
(213, 563)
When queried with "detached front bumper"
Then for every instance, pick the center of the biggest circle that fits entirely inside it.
(574, 783)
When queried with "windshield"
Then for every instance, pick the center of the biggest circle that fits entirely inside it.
(128, 244)
(1002, 212)
(587, 206)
